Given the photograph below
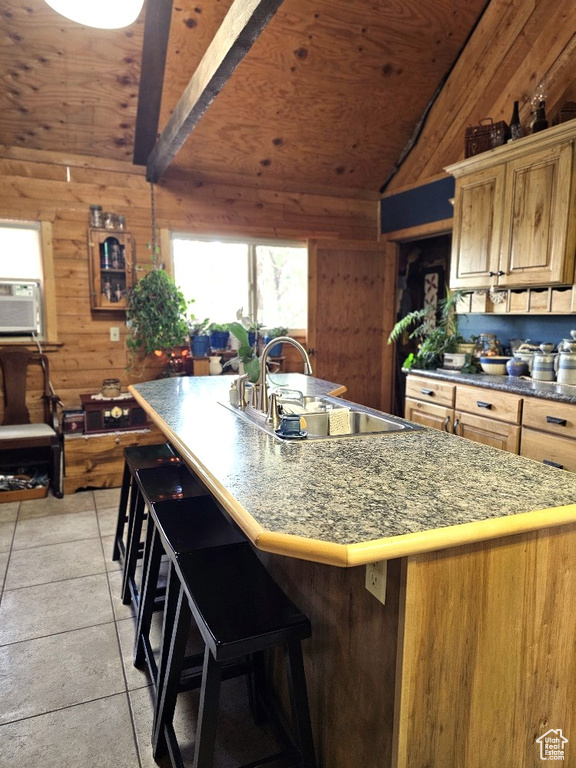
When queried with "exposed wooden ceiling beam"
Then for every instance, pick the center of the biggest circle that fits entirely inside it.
(154, 47)
(241, 27)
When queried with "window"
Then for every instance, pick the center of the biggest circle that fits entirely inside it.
(26, 248)
(267, 279)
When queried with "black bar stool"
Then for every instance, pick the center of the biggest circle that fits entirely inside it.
(150, 485)
(137, 457)
(175, 527)
(240, 611)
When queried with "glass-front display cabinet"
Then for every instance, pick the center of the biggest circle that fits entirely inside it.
(110, 268)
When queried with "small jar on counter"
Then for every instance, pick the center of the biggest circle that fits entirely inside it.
(120, 221)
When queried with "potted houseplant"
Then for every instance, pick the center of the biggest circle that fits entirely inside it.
(274, 333)
(200, 336)
(246, 354)
(155, 314)
(435, 340)
(219, 335)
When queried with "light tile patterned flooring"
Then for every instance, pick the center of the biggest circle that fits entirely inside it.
(70, 696)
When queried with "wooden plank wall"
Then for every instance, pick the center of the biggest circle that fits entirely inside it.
(515, 47)
(35, 186)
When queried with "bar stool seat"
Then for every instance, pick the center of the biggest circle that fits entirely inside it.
(175, 527)
(137, 457)
(150, 485)
(240, 611)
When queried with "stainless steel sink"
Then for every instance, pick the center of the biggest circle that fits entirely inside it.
(360, 421)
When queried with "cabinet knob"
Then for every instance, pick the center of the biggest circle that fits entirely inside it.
(491, 274)
(500, 273)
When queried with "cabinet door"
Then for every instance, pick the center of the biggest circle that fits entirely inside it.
(110, 268)
(537, 234)
(429, 415)
(498, 434)
(477, 228)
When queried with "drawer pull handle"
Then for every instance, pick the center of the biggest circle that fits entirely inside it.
(429, 392)
(447, 424)
(482, 404)
(455, 426)
(552, 464)
(556, 420)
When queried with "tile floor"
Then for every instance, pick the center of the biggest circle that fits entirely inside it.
(70, 696)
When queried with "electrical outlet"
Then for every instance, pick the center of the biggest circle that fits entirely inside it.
(376, 580)
(114, 333)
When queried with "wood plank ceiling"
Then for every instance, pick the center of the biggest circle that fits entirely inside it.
(325, 100)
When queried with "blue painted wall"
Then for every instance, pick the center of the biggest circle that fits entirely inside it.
(418, 206)
(537, 328)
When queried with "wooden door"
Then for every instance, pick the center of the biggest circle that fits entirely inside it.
(537, 232)
(477, 227)
(350, 312)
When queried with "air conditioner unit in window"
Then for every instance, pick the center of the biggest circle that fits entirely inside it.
(19, 307)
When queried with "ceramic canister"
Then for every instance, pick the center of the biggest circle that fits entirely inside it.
(544, 368)
(567, 368)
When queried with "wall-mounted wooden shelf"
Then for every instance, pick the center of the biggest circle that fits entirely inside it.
(530, 301)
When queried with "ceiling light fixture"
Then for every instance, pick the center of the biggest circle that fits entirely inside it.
(104, 14)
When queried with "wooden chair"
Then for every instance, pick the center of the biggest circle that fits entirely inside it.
(18, 434)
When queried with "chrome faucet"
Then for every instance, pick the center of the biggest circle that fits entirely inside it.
(263, 390)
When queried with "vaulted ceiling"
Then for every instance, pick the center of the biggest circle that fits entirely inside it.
(326, 99)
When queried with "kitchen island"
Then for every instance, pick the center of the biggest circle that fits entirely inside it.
(472, 658)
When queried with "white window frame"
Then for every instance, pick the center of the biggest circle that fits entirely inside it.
(167, 237)
(48, 282)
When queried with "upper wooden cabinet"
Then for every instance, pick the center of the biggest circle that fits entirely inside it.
(110, 268)
(512, 214)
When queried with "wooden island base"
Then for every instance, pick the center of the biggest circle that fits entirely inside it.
(469, 662)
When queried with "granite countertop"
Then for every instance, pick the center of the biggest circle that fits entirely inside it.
(519, 385)
(353, 500)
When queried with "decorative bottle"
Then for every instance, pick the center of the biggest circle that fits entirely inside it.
(539, 123)
(516, 131)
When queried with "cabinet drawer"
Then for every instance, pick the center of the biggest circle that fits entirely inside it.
(487, 431)
(491, 403)
(432, 390)
(429, 414)
(550, 449)
(550, 416)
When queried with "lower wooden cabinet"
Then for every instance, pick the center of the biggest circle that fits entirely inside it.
(536, 428)
(97, 461)
(487, 431)
(429, 414)
(550, 449)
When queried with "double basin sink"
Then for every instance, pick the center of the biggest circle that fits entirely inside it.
(327, 418)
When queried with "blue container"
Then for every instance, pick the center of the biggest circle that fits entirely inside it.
(219, 340)
(252, 338)
(276, 350)
(200, 346)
